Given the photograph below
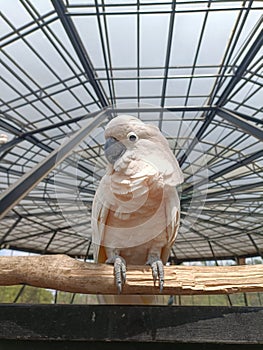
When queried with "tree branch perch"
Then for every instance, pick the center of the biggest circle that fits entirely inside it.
(63, 273)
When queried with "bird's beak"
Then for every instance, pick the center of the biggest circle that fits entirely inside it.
(113, 149)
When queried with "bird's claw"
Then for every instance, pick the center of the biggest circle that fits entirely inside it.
(157, 272)
(120, 273)
(119, 266)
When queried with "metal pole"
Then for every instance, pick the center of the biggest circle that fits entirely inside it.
(255, 47)
(240, 123)
(15, 193)
(76, 42)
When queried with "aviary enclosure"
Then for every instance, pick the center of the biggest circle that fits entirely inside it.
(194, 70)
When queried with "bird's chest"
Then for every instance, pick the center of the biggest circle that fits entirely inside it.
(135, 206)
(136, 225)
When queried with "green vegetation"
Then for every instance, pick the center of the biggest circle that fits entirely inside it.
(30, 295)
(69, 298)
(240, 299)
(33, 295)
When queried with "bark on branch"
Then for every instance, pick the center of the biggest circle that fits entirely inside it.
(63, 273)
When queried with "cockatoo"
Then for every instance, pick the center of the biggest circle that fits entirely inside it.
(136, 209)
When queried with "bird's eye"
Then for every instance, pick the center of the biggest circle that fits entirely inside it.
(132, 137)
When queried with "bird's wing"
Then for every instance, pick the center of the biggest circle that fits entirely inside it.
(172, 211)
(100, 212)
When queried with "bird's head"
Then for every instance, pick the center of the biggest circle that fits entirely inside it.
(133, 145)
(125, 133)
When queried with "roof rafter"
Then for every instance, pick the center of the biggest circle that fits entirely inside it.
(80, 50)
(240, 123)
(245, 161)
(23, 186)
(255, 47)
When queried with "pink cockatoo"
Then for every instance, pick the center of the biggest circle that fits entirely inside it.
(136, 209)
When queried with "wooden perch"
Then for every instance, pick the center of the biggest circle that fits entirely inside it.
(63, 273)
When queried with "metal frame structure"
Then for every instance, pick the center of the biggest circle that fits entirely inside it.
(65, 71)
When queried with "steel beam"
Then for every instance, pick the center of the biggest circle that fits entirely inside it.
(206, 238)
(110, 110)
(226, 201)
(28, 135)
(11, 228)
(15, 193)
(227, 170)
(240, 123)
(10, 144)
(231, 190)
(255, 47)
(106, 47)
(64, 185)
(15, 131)
(80, 50)
(241, 188)
(258, 250)
(167, 59)
(144, 12)
(248, 117)
(232, 213)
(32, 139)
(161, 109)
(220, 223)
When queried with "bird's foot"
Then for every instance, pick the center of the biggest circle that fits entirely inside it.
(157, 271)
(119, 266)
